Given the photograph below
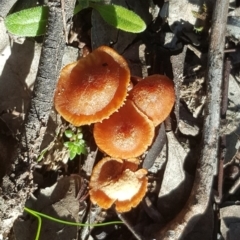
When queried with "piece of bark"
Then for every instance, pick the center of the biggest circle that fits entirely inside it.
(17, 184)
(201, 192)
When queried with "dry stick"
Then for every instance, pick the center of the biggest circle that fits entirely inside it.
(201, 192)
(227, 69)
(17, 185)
(64, 20)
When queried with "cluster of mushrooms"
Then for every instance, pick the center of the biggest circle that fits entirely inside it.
(95, 90)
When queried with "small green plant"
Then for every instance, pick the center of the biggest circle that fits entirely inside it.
(61, 150)
(39, 216)
(76, 145)
(201, 17)
(32, 22)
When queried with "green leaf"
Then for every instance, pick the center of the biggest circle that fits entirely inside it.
(28, 23)
(84, 150)
(68, 144)
(80, 142)
(72, 155)
(78, 150)
(79, 135)
(82, 4)
(68, 133)
(120, 17)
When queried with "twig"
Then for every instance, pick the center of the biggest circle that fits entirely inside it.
(90, 219)
(64, 20)
(135, 233)
(17, 185)
(218, 198)
(227, 68)
(201, 192)
(235, 187)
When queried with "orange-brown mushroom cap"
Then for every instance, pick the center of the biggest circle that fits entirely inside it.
(125, 134)
(154, 96)
(118, 181)
(92, 88)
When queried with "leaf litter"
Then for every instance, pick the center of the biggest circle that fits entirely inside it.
(171, 180)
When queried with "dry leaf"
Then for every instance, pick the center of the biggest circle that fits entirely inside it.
(175, 185)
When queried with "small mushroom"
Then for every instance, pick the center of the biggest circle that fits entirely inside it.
(154, 96)
(125, 134)
(118, 181)
(92, 88)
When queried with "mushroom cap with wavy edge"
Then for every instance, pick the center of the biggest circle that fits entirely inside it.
(154, 96)
(118, 181)
(92, 88)
(125, 134)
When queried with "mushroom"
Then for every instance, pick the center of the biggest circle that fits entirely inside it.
(154, 96)
(92, 88)
(125, 134)
(118, 181)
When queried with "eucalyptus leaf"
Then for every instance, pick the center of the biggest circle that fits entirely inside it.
(29, 22)
(120, 17)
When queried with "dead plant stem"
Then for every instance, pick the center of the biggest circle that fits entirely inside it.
(201, 193)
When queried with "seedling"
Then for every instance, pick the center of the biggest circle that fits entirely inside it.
(76, 145)
(32, 22)
(61, 149)
(201, 16)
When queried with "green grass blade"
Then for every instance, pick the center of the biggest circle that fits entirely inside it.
(39, 221)
(120, 17)
(29, 22)
(70, 223)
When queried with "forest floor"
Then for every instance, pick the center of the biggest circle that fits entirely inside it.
(193, 162)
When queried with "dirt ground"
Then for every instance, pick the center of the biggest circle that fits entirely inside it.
(193, 163)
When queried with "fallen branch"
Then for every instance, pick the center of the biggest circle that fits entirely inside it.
(17, 184)
(201, 192)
